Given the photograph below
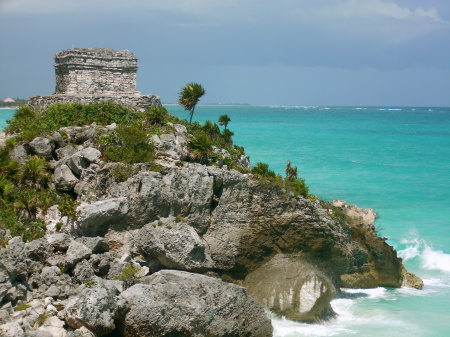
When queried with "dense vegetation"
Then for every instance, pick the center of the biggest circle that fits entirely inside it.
(290, 183)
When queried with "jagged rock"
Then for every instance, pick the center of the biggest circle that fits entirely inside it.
(382, 266)
(59, 241)
(20, 152)
(180, 130)
(64, 178)
(12, 258)
(66, 151)
(95, 308)
(91, 154)
(77, 163)
(96, 244)
(244, 161)
(88, 134)
(50, 275)
(175, 245)
(38, 250)
(292, 288)
(57, 139)
(77, 251)
(54, 326)
(11, 329)
(42, 147)
(83, 271)
(81, 332)
(40, 334)
(95, 217)
(101, 263)
(175, 303)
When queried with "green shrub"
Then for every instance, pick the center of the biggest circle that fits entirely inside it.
(156, 115)
(58, 226)
(42, 318)
(22, 306)
(90, 283)
(128, 273)
(68, 206)
(201, 146)
(133, 146)
(123, 171)
(262, 170)
(297, 186)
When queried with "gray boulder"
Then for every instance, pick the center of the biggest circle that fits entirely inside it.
(95, 308)
(20, 152)
(77, 251)
(58, 139)
(65, 151)
(11, 329)
(91, 154)
(83, 271)
(95, 217)
(59, 241)
(81, 332)
(77, 163)
(64, 178)
(96, 244)
(38, 250)
(42, 147)
(175, 245)
(176, 303)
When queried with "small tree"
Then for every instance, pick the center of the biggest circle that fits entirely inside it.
(189, 97)
(224, 120)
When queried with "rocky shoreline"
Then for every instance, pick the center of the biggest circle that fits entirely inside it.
(181, 248)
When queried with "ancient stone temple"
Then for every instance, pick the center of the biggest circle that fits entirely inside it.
(95, 75)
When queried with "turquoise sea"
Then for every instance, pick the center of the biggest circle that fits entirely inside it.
(395, 160)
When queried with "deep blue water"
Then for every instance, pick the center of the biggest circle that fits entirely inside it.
(394, 160)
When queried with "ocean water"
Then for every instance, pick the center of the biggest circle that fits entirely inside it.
(395, 160)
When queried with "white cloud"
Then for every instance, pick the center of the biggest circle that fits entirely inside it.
(373, 8)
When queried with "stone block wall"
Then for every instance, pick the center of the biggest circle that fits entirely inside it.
(95, 71)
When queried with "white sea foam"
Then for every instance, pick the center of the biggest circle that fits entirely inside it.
(435, 259)
(430, 259)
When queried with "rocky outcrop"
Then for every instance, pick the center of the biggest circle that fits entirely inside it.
(175, 303)
(382, 267)
(95, 308)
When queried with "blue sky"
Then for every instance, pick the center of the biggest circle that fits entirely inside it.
(284, 52)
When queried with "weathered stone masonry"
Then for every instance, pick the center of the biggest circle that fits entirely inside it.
(96, 75)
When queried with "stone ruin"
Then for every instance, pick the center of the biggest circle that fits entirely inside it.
(92, 75)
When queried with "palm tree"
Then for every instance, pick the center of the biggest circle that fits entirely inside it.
(189, 97)
(224, 120)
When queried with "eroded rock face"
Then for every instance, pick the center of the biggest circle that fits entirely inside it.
(292, 288)
(175, 244)
(95, 308)
(176, 303)
(382, 267)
